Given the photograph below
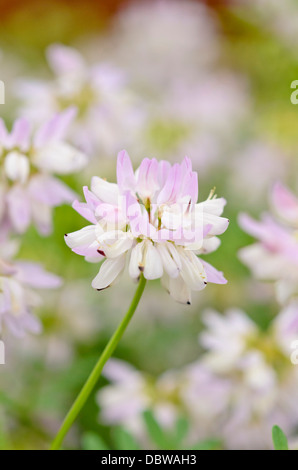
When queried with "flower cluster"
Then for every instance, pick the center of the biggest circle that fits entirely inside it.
(107, 112)
(151, 219)
(243, 384)
(18, 281)
(275, 256)
(28, 161)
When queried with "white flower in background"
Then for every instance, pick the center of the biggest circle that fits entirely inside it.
(132, 392)
(262, 378)
(152, 220)
(18, 282)
(198, 117)
(275, 255)
(28, 161)
(156, 40)
(108, 114)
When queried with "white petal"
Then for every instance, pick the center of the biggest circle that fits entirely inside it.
(136, 260)
(115, 243)
(108, 273)
(85, 236)
(169, 263)
(60, 158)
(153, 268)
(177, 289)
(212, 206)
(16, 166)
(193, 272)
(106, 192)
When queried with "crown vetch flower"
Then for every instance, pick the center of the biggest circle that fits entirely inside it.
(106, 108)
(18, 282)
(275, 255)
(151, 219)
(28, 161)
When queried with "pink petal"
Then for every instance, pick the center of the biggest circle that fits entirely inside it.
(20, 134)
(50, 191)
(34, 275)
(55, 128)
(285, 202)
(19, 208)
(64, 59)
(212, 274)
(125, 175)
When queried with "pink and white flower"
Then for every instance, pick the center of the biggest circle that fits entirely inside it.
(275, 256)
(152, 220)
(107, 112)
(28, 161)
(132, 392)
(256, 368)
(18, 281)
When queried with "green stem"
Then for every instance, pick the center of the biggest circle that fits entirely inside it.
(95, 374)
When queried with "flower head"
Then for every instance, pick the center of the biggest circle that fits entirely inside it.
(275, 255)
(18, 281)
(105, 107)
(151, 218)
(28, 161)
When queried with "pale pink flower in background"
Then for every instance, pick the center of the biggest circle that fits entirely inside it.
(257, 366)
(199, 116)
(108, 113)
(236, 391)
(152, 220)
(173, 36)
(29, 161)
(275, 256)
(18, 282)
(285, 205)
(132, 392)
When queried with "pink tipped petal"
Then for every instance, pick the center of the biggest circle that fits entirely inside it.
(213, 275)
(19, 208)
(20, 135)
(55, 128)
(34, 275)
(50, 191)
(64, 59)
(285, 203)
(85, 211)
(147, 178)
(125, 175)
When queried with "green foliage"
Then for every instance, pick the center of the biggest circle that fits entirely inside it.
(124, 440)
(91, 441)
(279, 438)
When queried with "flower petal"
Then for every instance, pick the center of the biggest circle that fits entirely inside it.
(109, 272)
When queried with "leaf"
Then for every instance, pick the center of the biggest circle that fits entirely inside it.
(91, 441)
(124, 440)
(280, 441)
(181, 431)
(156, 432)
(210, 444)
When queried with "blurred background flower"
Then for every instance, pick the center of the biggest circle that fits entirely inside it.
(163, 79)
